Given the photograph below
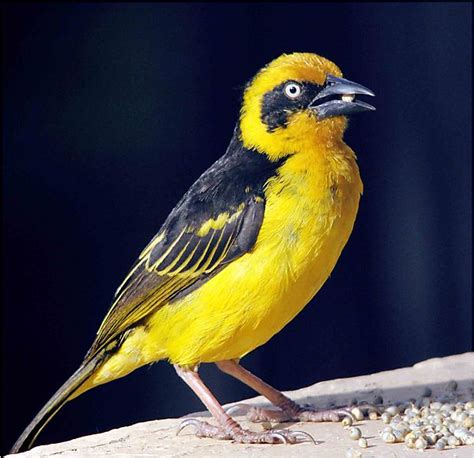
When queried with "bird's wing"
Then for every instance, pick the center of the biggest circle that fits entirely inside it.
(217, 221)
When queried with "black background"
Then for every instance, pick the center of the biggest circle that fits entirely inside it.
(112, 111)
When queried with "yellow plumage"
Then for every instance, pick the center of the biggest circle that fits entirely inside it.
(310, 205)
(309, 215)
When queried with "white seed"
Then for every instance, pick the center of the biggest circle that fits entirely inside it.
(373, 415)
(352, 453)
(402, 425)
(421, 443)
(388, 438)
(435, 406)
(348, 97)
(346, 422)
(459, 432)
(453, 441)
(468, 422)
(358, 415)
(469, 439)
(363, 442)
(399, 435)
(386, 417)
(410, 441)
(469, 405)
(355, 433)
(441, 444)
(392, 410)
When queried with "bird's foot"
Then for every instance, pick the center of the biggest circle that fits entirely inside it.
(293, 413)
(240, 435)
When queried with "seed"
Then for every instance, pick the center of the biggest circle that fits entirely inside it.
(453, 441)
(351, 453)
(388, 438)
(402, 428)
(386, 417)
(355, 433)
(396, 420)
(410, 441)
(464, 439)
(415, 426)
(446, 408)
(431, 438)
(399, 435)
(346, 422)
(421, 443)
(441, 444)
(468, 422)
(435, 406)
(469, 439)
(373, 415)
(444, 431)
(363, 442)
(392, 410)
(459, 432)
(358, 415)
(469, 405)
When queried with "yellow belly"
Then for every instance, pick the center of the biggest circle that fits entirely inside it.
(308, 220)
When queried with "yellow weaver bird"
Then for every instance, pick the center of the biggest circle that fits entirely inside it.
(245, 249)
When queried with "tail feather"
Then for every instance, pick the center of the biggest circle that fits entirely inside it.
(27, 438)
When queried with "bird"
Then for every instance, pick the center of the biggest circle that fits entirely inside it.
(242, 253)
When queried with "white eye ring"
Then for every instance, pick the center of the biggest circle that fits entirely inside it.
(292, 90)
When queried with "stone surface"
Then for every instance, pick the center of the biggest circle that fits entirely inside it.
(158, 438)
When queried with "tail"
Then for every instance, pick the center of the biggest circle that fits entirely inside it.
(26, 440)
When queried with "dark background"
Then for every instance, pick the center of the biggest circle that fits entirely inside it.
(112, 111)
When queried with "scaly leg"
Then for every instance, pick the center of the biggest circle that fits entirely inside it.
(289, 410)
(227, 427)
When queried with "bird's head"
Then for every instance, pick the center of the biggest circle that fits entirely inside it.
(295, 99)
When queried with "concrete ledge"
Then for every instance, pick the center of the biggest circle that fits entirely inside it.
(158, 438)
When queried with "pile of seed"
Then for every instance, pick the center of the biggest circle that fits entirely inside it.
(420, 425)
(433, 425)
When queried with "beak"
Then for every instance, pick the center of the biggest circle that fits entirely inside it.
(337, 98)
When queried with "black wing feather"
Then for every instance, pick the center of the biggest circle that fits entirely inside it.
(183, 254)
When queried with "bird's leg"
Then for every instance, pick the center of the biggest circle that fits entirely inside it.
(227, 427)
(289, 410)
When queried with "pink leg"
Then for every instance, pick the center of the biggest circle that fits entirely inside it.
(289, 410)
(227, 427)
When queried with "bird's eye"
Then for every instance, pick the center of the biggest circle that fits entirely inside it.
(292, 90)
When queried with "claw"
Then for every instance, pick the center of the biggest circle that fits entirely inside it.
(345, 413)
(189, 422)
(305, 436)
(282, 437)
(238, 407)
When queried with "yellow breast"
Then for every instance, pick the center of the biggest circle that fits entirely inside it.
(309, 215)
